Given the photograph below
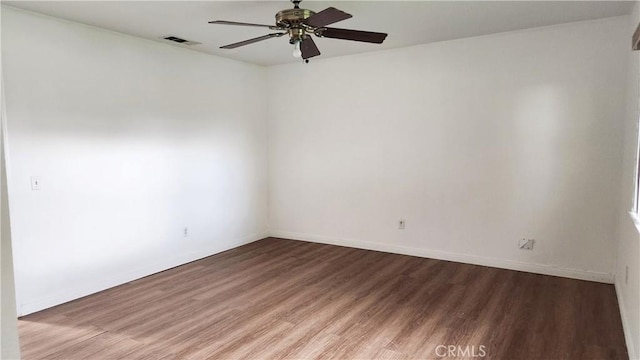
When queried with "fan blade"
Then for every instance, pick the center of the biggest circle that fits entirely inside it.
(251, 41)
(355, 35)
(309, 48)
(224, 22)
(325, 17)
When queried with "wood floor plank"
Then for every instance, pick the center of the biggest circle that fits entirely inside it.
(285, 299)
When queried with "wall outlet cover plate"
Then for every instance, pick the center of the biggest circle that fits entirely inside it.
(526, 244)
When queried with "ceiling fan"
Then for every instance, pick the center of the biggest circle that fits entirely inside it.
(300, 24)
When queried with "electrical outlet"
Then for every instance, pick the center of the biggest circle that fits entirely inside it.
(626, 275)
(401, 224)
(526, 244)
(186, 232)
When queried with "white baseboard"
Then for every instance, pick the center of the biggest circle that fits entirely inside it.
(69, 294)
(625, 324)
(450, 256)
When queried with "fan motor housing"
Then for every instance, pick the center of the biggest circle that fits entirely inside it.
(292, 17)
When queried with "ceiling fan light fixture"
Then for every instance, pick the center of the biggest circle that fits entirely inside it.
(301, 24)
(297, 53)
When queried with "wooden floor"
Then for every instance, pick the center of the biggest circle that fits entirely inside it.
(276, 299)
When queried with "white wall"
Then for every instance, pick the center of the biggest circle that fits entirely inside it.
(133, 141)
(628, 243)
(476, 143)
(9, 342)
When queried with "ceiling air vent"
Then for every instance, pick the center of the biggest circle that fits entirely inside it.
(180, 41)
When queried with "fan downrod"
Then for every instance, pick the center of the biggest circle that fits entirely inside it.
(296, 3)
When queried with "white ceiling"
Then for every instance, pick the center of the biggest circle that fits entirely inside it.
(407, 22)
